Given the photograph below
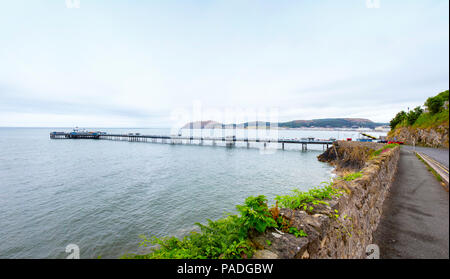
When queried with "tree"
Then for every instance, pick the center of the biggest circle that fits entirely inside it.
(413, 115)
(397, 119)
(434, 104)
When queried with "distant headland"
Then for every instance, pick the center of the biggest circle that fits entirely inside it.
(350, 123)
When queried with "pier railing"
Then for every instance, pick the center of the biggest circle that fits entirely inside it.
(229, 141)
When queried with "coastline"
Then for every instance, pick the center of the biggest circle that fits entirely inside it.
(293, 129)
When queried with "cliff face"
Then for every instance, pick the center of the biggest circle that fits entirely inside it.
(433, 137)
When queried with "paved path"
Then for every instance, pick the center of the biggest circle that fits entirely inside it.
(439, 154)
(415, 221)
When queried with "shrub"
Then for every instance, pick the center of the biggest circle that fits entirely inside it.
(400, 117)
(306, 200)
(435, 104)
(412, 115)
(226, 238)
(256, 215)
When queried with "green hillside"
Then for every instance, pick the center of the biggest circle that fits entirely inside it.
(436, 114)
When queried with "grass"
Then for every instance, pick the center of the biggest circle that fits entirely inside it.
(427, 120)
(384, 149)
(351, 176)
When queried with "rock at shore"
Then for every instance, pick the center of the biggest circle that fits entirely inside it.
(349, 156)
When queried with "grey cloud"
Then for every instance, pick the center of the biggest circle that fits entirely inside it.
(12, 101)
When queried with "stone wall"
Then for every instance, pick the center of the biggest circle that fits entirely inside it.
(344, 227)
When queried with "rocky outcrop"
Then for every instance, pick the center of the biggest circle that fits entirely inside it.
(343, 227)
(433, 137)
(349, 156)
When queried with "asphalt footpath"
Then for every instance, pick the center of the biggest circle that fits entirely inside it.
(439, 154)
(415, 218)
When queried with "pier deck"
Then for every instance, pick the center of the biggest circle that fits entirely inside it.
(229, 141)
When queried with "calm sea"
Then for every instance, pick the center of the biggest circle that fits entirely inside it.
(101, 195)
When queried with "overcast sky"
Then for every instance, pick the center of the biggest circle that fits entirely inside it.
(133, 63)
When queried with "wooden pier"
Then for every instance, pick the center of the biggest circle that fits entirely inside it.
(227, 141)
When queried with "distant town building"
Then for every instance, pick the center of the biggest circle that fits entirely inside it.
(382, 128)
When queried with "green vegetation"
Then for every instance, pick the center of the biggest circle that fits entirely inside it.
(432, 120)
(385, 148)
(406, 119)
(438, 114)
(413, 115)
(399, 118)
(255, 214)
(343, 230)
(306, 200)
(297, 233)
(351, 176)
(332, 123)
(228, 238)
(435, 104)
